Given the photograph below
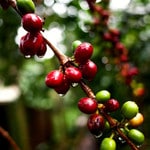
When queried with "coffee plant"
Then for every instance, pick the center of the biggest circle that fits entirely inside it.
(79, 70)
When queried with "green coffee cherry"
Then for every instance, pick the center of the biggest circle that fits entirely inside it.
(103, 96)
(26, 6)
(108, 144)
(75, 44)
(129, 109)
(136, 136)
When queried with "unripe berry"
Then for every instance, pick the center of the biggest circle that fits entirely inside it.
(96, 124)
(103, 96)
(32, 22)
(87, 105)
(108, 144)
(136, 136)
(129, 109)
(89, 70)
(54, 78)
(83, 52)
(73, 74)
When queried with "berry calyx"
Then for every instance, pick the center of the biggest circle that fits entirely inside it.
(129, 109)
(26, 6)
(103, 96)
(32, 22)
(136, 136)
(108, 144)
(96, 124)
(83, 52)
(111, 105)
(73, 74)
(54, 78)
(89, 70)
(87, 105)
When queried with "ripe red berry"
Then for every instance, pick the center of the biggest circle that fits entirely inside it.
(42, 50)
(83, 52)
(32, 22)
(87, 105)
(89, 70)
(73, 74)
(30, 43)
(111, 105)
(63, 87)
(96, 124)
(54, 78)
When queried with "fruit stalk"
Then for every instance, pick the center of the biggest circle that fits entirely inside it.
(6, 135)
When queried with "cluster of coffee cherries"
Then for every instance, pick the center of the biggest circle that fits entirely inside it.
(99, 121)
(78, 68)
(32, 43)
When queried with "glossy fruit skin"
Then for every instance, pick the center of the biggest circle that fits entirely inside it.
(73, 74)
(137, 120)
(42, 50)
(32, 22)
(103, 96)
(111, 105)
(129, 109)
(136, 136)
(108, 144)
(87, 105)
(89, 70)
(96, 124)
(54, 78)
(29, 44)
(83, 52)
(63, 87)
(26, 6)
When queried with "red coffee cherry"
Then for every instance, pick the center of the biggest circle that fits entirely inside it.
(30, 43)
(42, 50)
(63, 87)
(54, 78)
(111, 105)
(96, 124)
(87, 105)
(32, 22)
(73, 74)
(83, 52)
(89, 70)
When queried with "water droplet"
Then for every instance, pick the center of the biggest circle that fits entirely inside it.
(27, 56)
(74, 84)
(61, 95)
(98, 136)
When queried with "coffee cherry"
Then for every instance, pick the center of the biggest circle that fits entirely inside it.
(96, 124)
(29, 44)
(54, 78)
(103, 96)
(73, 74)
(32, 22)
(87, 105)
(137, 120)
(26, 6)
(63, 87)
(129, 109)
(111, 105)
(89, 70)
(83, 52)
(136, 136)
(108, 144)
(42, 50)
(75, 44)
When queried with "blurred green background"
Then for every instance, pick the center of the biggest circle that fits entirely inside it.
(36, 116)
